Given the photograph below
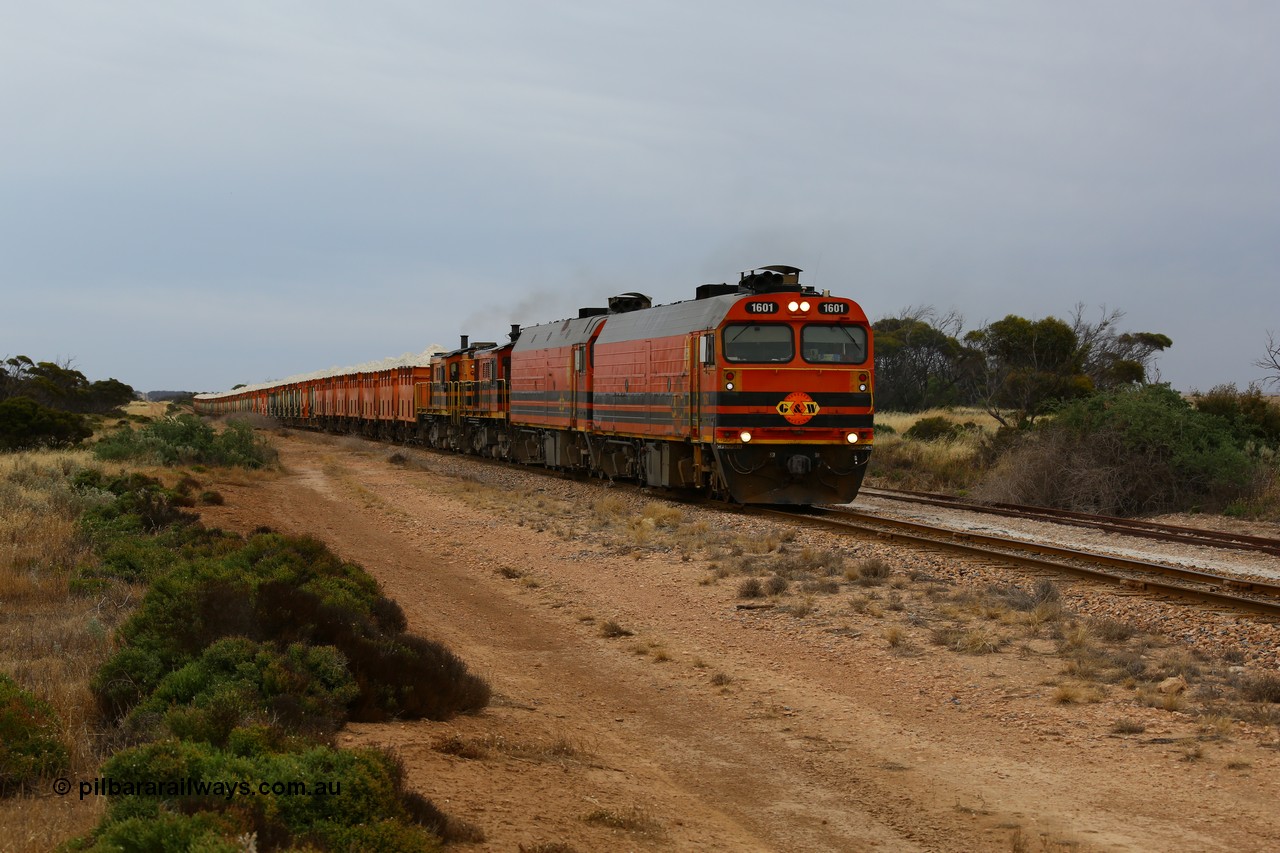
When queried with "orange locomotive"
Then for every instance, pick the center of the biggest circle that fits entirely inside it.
(759, 392)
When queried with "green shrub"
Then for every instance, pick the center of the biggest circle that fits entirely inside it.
(26, 424)
(186, 792)
(30, 746)
(1130, 451)
(187, 440)
(287, 590)
(207, 832)
(1249, 413)
(138, 504)
(237, 683)
(935, 428)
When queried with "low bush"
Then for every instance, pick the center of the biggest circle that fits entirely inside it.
(1125, 452)
(236, 683)
(872, 571)
(288, 590)
(180, 796)
(137, 504)
(1263, 687)
(935, 428)
(187, 440)
(31, 748)
(1249, 413)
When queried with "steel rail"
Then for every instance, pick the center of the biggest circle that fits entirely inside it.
(995, 548)
(1110, 524)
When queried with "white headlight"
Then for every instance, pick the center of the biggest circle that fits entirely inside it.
(745, 436)
(793, 306)
(804, 306)
(852, 438)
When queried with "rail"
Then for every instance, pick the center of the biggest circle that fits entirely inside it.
(1175, 581)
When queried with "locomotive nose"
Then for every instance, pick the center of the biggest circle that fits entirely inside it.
(799, 465)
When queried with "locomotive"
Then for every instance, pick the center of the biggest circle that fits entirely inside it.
(759, 392)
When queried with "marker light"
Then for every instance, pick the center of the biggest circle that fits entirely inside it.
(793, 306)
(862, 387)
(852, 438)
(728, 386)
(745, 436)
(804, 306)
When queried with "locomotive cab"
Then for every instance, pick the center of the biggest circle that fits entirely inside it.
(792, 408)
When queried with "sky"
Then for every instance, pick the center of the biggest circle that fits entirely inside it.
(195, 195)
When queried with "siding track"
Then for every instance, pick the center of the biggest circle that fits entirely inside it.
(1107, 523)
(1230, 592)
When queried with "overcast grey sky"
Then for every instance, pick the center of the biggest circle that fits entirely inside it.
(194, 195)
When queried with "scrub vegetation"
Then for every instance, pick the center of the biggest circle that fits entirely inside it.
(145, 648)
(51, 404)
(1131, 451)
(184, 439)
(1062, 413)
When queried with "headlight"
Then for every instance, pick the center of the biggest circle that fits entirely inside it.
(804, 306)
(852, 438)
(745, 436)
(793, 306)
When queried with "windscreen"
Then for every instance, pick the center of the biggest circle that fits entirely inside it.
(843, 344)
(758, 343)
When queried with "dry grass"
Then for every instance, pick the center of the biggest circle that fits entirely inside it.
(802, 607)
(1076, 694)
(54, 641)
(1153, 698)
(972, 640)
(610, 629)
(557, 748)
(900, 422)
(634, 820)
(1127, 726)
(946, 464)
(39, 537)
(1262, 687)
(872, 571)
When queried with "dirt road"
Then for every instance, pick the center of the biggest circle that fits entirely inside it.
(717, 728)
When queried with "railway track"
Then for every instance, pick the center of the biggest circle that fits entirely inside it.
(1110, 524)
(1235, 593)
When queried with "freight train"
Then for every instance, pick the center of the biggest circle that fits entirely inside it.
(759, 392)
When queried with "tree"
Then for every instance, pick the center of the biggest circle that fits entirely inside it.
(1271, 361)
(105, 395)
(1111, 359)
(1025, 367)
(60, 386)
(916, 361)
(24, 423)
(14, 375)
